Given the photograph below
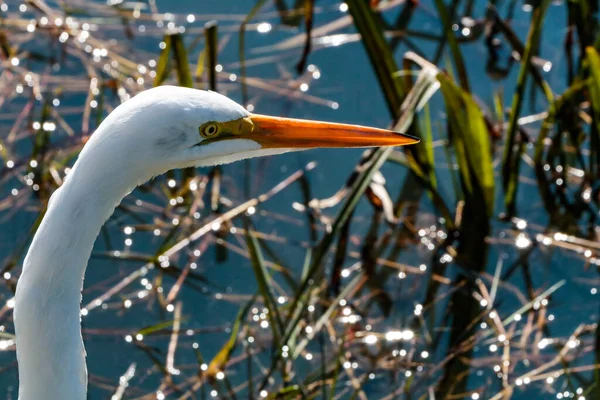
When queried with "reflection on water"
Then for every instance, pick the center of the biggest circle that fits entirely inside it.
(170, 274)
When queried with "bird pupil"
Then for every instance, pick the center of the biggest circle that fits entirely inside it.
(209, 130)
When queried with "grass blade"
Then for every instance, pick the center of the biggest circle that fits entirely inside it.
(379, 52)
(220, 360)
(263, 279)
(471, 136)
(510, 161)
(455, 50)
(184, 76)
(211, 35)
(594, 89)
(163, 63)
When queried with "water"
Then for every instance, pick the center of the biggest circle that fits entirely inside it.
(346, 79)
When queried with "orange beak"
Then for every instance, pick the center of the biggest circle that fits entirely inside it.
(275, 132)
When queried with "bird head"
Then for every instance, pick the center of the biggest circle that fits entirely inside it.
(173, 127)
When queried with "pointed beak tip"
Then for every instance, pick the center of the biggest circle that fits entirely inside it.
(415, 139)
(403, 139)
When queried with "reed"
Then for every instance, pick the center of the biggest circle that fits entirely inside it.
(462, 267)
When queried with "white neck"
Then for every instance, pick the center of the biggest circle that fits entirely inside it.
(50, 350)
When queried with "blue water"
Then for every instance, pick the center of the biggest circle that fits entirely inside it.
(347, 79)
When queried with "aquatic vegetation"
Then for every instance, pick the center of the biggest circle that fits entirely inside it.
(465, 267)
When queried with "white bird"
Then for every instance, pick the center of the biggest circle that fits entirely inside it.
(157, 130)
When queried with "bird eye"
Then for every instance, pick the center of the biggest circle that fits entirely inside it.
(209, 130)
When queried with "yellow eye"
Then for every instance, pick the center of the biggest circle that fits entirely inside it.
(210, 130)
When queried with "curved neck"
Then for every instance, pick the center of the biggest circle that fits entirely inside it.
(50, 350)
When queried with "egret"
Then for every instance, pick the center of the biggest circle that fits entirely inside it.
(155, 131)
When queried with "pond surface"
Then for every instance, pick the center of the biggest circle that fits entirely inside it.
(341, 87)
